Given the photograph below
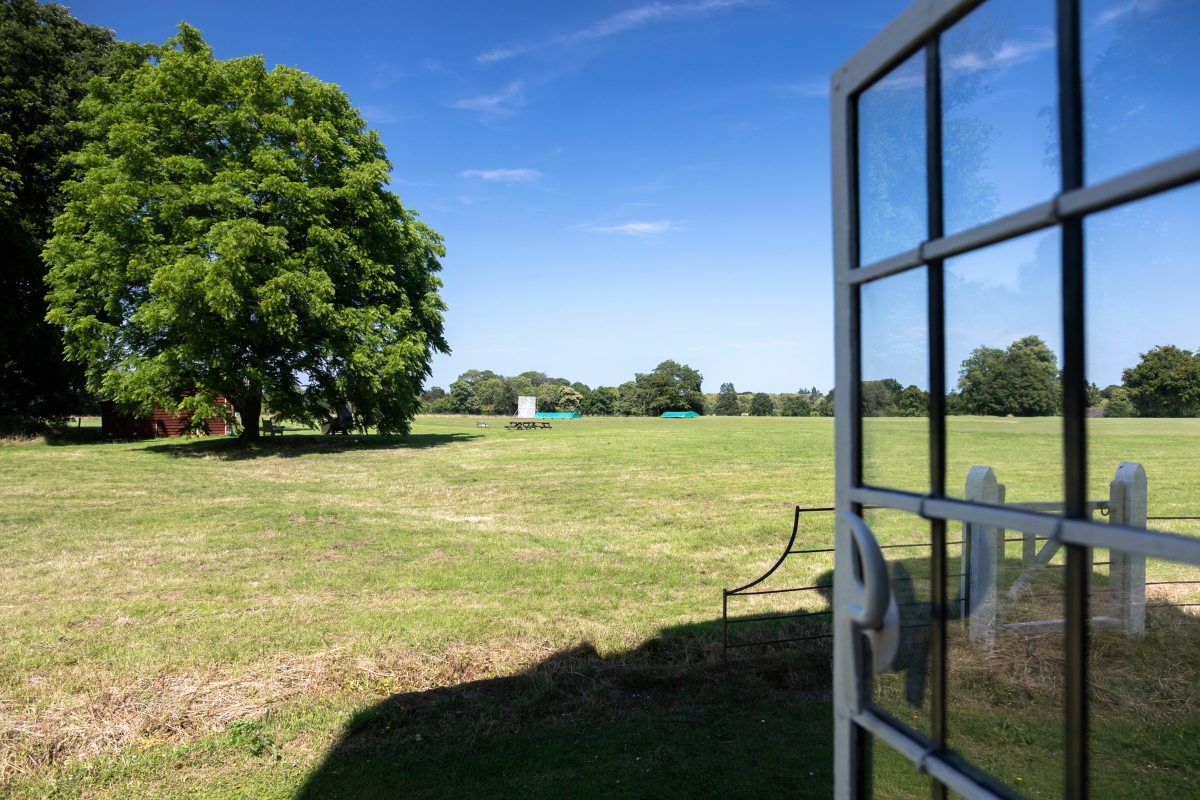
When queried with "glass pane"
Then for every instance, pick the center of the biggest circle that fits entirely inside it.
(891, 170)
(999, 112)
(904, 691)
(895, 366)
(1143, 281)
(1141, 69)
(1004, 651)
(893, 776)
(1003, 340)
(1143, 277)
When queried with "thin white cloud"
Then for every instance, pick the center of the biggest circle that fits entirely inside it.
(499, 54)
(618, 23)
(500, 103)
(1116, 12)
(813, 88)
(641, 229)
(1008, 54)
(509, 176)
(378, 115)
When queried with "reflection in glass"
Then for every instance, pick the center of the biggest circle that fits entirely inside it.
(904, 690)
(893, 776)
(1143, 334)
(999, 117)
(895, 367)
(1004, 650)
(891, 152)
(1141, 69)
(1003, 344)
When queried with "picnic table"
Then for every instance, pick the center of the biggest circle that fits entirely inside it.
(526, 425)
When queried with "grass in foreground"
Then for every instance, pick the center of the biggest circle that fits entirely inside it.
(210, 619)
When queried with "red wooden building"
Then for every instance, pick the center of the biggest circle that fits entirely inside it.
(162, 423)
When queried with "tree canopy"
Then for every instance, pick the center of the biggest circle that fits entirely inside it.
(230, 233)
(47, 58)
(727, 404)
(1022, 380)
(1166, 383)
(670, 387)
(761, 405)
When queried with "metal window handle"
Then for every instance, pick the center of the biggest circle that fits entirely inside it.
(874, 609)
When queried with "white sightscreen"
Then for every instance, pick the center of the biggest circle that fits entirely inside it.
(526, 407)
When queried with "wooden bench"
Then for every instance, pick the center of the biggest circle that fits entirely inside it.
(526, 425)
(270, 428)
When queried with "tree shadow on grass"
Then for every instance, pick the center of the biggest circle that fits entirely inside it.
(229, 449)
(670, 719)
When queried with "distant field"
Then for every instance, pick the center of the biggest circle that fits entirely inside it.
(201, 618)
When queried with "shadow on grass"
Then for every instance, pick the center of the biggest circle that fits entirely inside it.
(670, 719)
(284, 447)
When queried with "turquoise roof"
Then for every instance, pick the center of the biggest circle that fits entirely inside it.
(680, 414)
(558, 414)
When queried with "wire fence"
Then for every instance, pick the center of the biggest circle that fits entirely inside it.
(748, 590)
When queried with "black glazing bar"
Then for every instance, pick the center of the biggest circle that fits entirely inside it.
(802, 552)
(1172, 517)
(853, 306)
(1170, 583)
(1070, 126)
(937, 403)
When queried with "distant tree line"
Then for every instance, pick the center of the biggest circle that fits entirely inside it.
(668, 387)
(728, 402)
(1024, 380)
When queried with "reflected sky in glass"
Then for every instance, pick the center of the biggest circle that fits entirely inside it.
(1141, 62)
(891, 148)
(999, 112)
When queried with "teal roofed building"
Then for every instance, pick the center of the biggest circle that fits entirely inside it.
(680, 414)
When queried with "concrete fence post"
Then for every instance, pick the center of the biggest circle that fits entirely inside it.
(982, 560)
(1127, 571)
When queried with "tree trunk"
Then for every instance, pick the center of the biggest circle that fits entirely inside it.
(250, 407)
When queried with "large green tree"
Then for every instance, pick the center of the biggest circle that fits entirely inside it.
(1022, 380)
(761, 405)
(1166, 383)
(727, 402)
(670, 387)
(230, 233)
(47, 58)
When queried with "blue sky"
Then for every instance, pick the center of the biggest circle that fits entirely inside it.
(618, 182)
(623, 182)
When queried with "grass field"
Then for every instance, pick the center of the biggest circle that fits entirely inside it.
(478, 612)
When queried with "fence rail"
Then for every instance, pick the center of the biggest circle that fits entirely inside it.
(746, 589)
